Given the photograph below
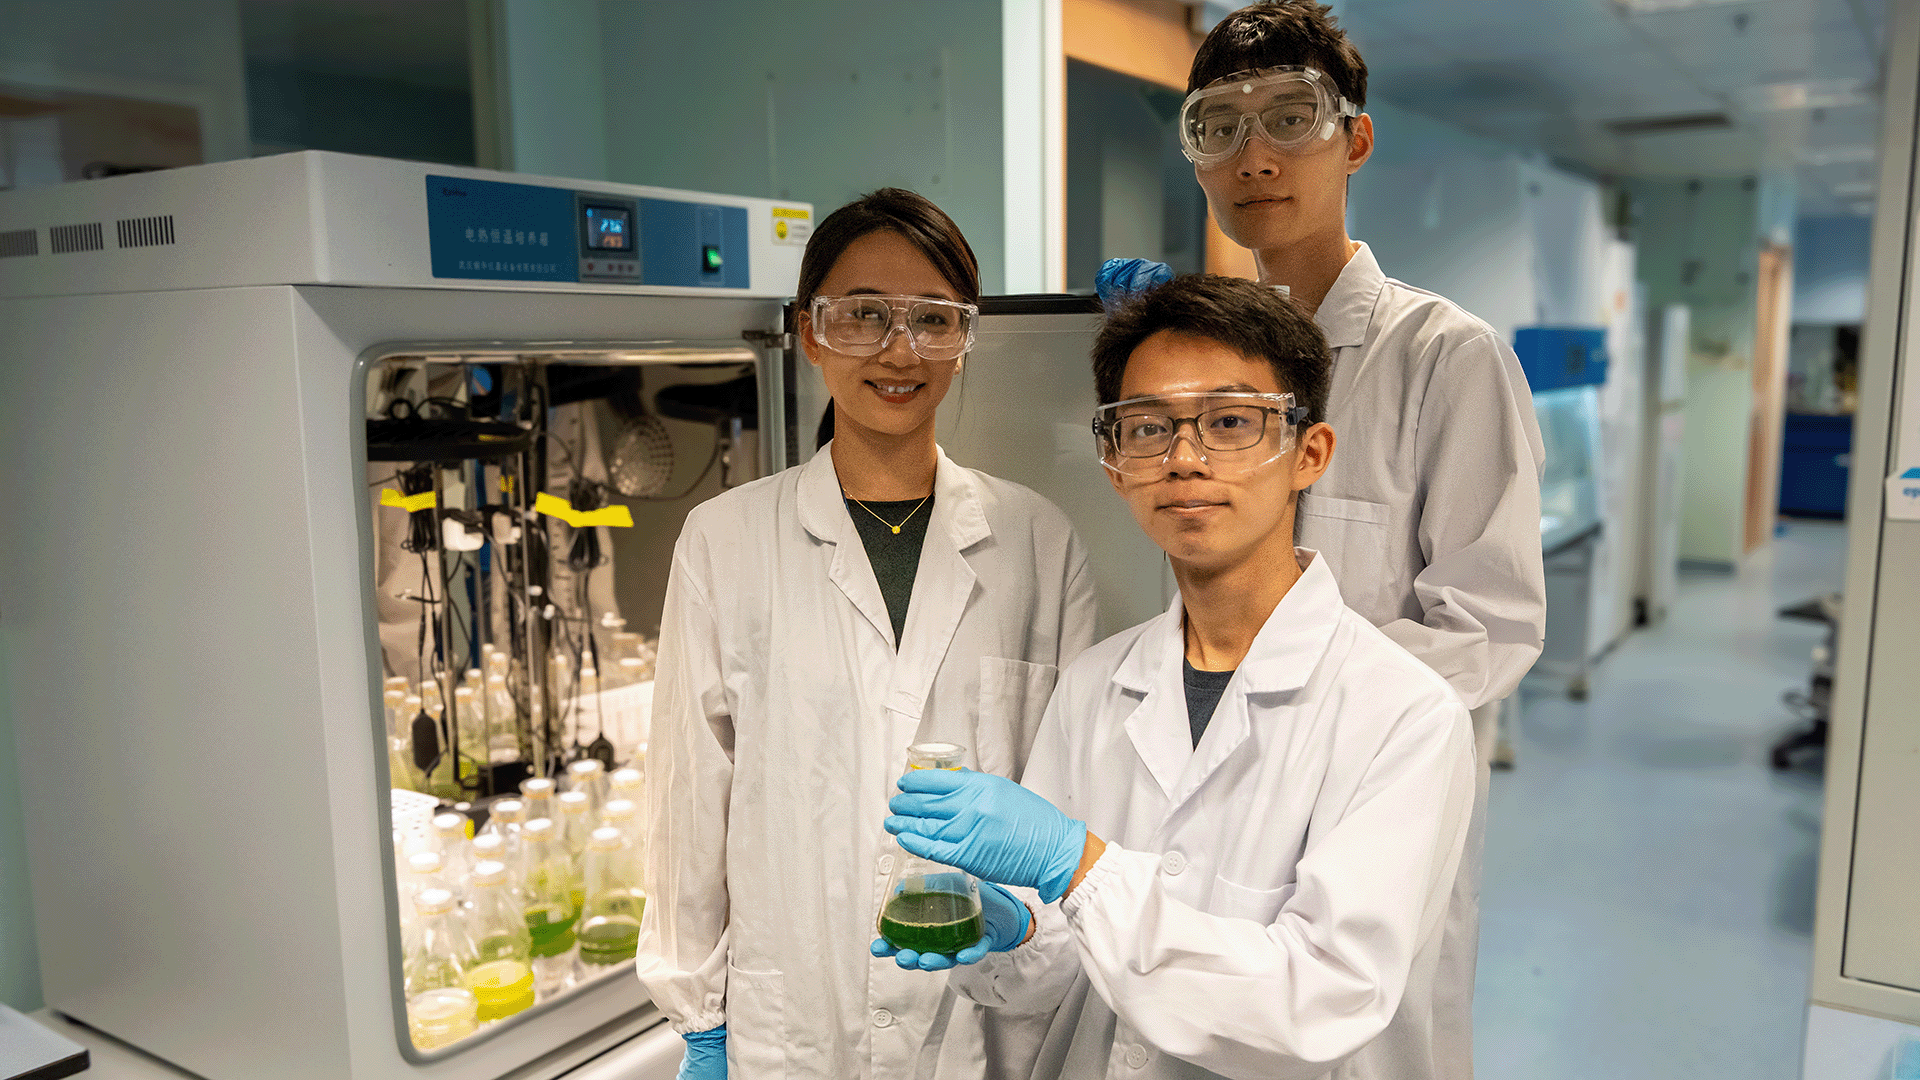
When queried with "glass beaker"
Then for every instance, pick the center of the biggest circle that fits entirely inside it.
(930, 906)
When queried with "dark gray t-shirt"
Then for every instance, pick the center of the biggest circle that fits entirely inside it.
(1203, 695)
(895, 557)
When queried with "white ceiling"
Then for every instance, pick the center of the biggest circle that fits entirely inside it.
(1550, 74)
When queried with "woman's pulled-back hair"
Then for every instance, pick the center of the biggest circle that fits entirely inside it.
(895, 210)
(1277, 33)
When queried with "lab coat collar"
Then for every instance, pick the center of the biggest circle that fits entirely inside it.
(1284, 652)
(1347, 310)
(1282, 658)
(956, 502)
(942, 583)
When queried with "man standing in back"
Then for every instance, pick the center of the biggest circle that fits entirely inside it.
(1430, 515)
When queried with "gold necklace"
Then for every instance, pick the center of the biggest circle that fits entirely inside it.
(889, 524)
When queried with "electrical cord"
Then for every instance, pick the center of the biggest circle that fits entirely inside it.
(422, 536)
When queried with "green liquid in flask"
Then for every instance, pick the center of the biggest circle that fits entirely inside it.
(551, 928)
(936, 922)
(609, 941)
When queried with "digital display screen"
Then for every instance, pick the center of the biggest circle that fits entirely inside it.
(609, 228)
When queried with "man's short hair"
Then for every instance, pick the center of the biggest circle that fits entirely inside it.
(1277, 33)
(1251, 319)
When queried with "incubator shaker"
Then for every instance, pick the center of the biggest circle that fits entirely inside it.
(365, 475)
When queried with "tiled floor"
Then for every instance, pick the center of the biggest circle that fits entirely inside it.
(1648, 901)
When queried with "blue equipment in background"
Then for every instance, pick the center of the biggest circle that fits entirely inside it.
(1565, 366)
(1556, 357)
(1813, 465)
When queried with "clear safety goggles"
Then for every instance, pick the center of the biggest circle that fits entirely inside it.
(865, 325)
(1241, 432)
(1293, 108)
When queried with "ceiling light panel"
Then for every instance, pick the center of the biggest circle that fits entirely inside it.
(1807, 94)
(1649, 7)
(1820, 157)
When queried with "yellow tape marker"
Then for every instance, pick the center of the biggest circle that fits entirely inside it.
(615, 516)
(426, 500)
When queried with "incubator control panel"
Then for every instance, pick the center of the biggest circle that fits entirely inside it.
(492, 230)
(320, 218)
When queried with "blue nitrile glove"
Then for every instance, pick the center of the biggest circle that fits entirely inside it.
(1119, 279)
(706, 1055)
(1006, 918)
(988, 826)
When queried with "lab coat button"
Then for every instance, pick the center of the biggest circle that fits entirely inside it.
(886, 864)
(882, 1018)
(1173, 862)
(1136, 1057)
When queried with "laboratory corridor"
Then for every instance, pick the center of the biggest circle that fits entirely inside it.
(1648, 902)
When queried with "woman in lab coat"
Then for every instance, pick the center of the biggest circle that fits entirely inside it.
(817, 623)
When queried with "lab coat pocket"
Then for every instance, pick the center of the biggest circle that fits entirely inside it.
(1240, 902)
(1352, 535)
(756, 1022)
(1013, 698)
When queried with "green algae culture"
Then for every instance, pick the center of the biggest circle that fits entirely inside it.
(936, 922)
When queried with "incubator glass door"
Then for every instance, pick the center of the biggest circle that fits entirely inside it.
(521, 510)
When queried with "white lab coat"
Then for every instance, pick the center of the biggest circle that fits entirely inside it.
(1270, 902)
(782, 717)
(1430, 519)
(1430, 512)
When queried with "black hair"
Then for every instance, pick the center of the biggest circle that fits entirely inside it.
(897, 210)
(1251, 319)
(1276, 33)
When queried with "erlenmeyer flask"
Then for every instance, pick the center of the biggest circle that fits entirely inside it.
(628, 783)
(430, 696)
(930, 906)
(503, 722)
(487, 847)
(575, 825)
(537, 794)
(505, 819)
(503, 979)
(548, 905)
(590, 776)
(575, 819)
(400, 767)
(623, 815)
(471, 720)
(440, 1008)
(610, 922)
(426, 870)
(450, 840)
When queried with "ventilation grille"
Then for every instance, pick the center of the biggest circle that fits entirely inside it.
(68, 238)
(145, 231)
(19, 242)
